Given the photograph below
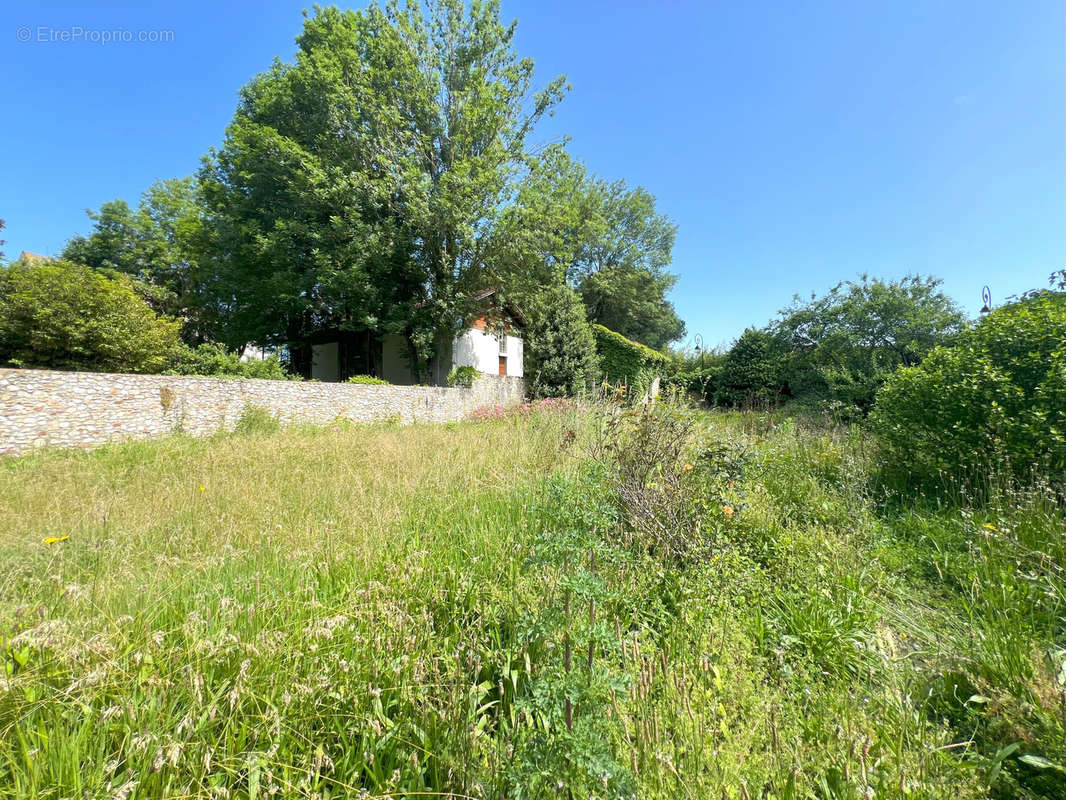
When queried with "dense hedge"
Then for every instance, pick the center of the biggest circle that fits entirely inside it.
(59, 315)
(751, 373)
(214, 360)
(625, 361)
(994, 403)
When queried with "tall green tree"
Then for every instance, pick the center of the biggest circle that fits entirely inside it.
(750, 375)
(157, 244)
(361, 186)
(560, 351)
(603, 238)
(844, 344)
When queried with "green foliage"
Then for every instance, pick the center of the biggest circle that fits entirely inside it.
(257, 420)
(604, 239)
(359, 187)
(675, 497)
(367, 380)
(212, 359)
(843, 345)
(64, 316)
(560, 718)
(559, 348)
(463, 376)
(750, 375)
(157, 245)
(993, 403)
(507, 634)
(697, 383)
(626, 362)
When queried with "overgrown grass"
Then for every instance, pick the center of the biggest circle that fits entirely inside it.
(466, 611)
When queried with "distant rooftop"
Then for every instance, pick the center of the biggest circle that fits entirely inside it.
(33, 258)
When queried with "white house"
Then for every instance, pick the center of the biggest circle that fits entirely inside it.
(492, 344)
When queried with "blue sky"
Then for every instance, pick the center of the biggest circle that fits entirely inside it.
(796, 144)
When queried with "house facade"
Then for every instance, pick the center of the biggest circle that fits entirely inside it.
(493, 345)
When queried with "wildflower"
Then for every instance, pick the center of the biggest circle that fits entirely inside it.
(687, 468)
(54, 539)
(727, 510)
(990, 527)
(203, 488)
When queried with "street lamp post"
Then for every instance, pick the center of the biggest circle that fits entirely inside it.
(700, 349)
(986, 298)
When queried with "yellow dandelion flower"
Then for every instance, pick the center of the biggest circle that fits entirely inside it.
(687, 468)
(989, 526)
(54, 539)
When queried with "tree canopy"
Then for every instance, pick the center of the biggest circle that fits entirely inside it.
(604, 239)
(844, 344)
(838, 347)
(360, 187)
(157, 245)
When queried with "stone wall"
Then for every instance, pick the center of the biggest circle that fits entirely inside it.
(81, 409)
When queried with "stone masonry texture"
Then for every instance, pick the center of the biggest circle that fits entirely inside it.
(80, 409)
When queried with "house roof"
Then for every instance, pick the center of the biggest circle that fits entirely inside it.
(507, 307)
(33, 258)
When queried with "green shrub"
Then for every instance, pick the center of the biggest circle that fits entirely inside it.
(560, 352)
(750, 374)
(995, 403)
(215, 360)
(625, 361)
(63, 316)
(463, 376)
(673, 497)
(367, 380)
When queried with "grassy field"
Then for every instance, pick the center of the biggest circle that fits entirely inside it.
(514, 608)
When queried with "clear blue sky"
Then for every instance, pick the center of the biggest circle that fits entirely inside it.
(795, 143)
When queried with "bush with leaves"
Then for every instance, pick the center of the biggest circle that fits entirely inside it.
(463, 376)
(698, 383)
(367, 380)
(560, 353)
(674, 491)
(994, 403)
(212, 359)
(750, 375)
(60, 315)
